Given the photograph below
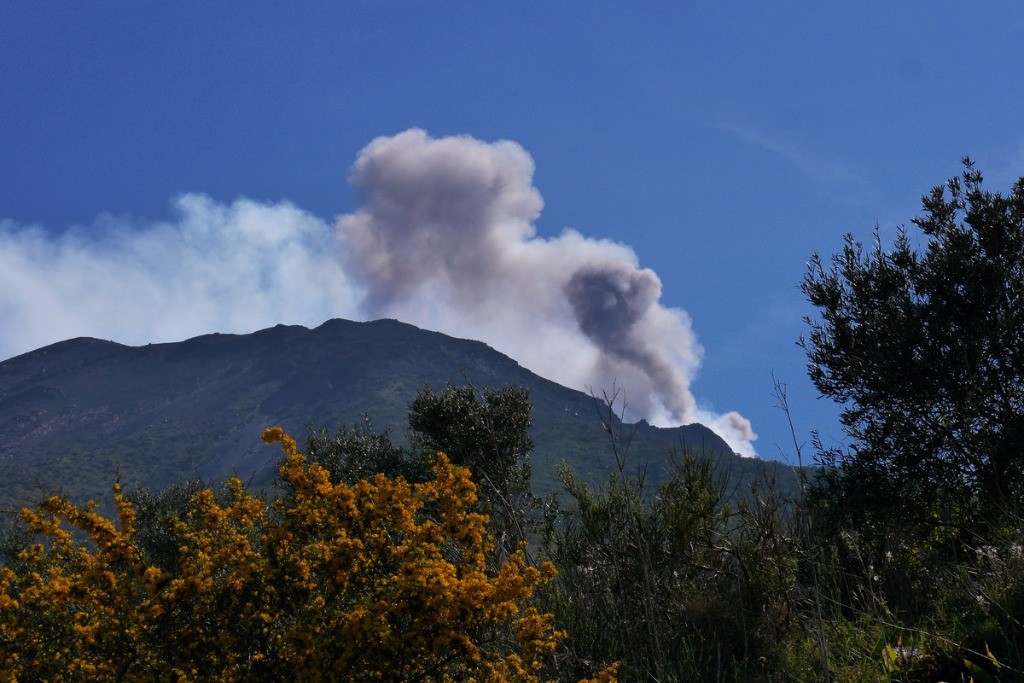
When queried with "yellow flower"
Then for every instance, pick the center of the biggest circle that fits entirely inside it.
(376, 580)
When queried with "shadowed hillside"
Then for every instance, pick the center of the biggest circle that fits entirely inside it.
(78, 412)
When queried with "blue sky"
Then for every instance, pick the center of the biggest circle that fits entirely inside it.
(722, 142)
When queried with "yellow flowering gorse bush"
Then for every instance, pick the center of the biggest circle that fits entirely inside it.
(376, 580)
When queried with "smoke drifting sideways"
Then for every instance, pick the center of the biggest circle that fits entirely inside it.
(442, 237)
(445, 239)
(215, 268)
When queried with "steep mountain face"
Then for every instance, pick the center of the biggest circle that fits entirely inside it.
(79, 413)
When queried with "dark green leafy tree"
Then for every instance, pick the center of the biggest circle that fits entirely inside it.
(923, 345)
(157, 512)
(486, 431)
(355, 452)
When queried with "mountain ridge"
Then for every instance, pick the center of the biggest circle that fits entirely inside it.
(81, 411)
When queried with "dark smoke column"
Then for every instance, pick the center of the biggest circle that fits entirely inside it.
(610, 305)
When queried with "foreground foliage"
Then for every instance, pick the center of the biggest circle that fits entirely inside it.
(685, 582)
(919, 516)
(923, 346)
(375, 579)
(674, 583)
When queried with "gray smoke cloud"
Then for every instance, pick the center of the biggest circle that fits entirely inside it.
(443, 237)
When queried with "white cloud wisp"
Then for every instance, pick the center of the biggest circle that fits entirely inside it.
(223, 268)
